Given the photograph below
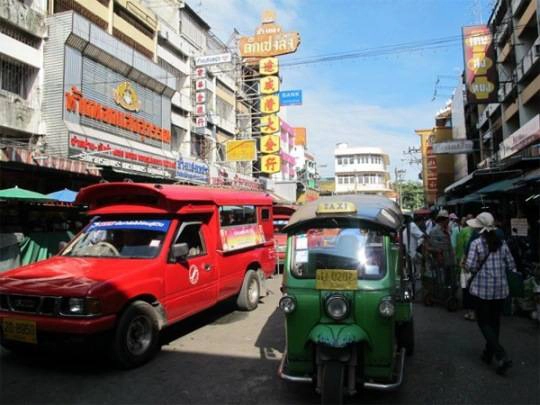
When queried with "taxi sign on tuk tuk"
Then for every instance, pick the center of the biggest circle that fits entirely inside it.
(336, 207)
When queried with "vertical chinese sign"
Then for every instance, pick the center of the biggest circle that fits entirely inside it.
(200, 98)
(268, 42)
(480, 69)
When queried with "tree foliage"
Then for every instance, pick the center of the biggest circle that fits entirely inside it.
(412, 195)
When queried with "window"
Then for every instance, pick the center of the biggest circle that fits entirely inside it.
(351, 160)
(340, 180)
(191, 234)
(237, 215)
(339, 161)
(16, 77)
(265, 214)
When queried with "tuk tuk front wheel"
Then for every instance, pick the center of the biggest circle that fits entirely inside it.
(248, 298)
(332, 382)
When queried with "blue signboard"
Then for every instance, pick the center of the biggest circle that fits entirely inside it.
(290, 97)
(189, 170)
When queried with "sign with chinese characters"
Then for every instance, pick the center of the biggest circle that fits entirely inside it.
(190, 170)
(269, 85)
(200, 109)
(241, 151)
(270, 144)
(268, 66)
(271, 164)
(213, 59)
(269, 39)
(200, 84)
(290, 97)
(480, 70)
(126, 97)
(269, 104)
(200, 97)
(200, 122)
(270, 124)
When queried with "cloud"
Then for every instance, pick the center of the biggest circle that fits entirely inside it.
(244, 15)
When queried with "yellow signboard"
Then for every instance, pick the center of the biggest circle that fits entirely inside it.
(269, 104)
(336, 279)
(269, 40)
(270, 124)
(336, 207)
(269, 85)
(241, 151)
(268, 66)
(271, 164)
(270, 144)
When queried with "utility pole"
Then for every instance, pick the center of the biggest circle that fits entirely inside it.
(398, 173)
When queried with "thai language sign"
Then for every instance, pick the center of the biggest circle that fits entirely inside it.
(187, 169)
(452, 147)
(480, 69)
(269, 40)
(241, 236)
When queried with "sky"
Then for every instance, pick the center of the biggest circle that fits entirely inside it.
(378, 99)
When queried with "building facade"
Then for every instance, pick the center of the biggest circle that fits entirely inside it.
(361, 170)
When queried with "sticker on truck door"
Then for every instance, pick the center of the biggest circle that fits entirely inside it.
(193, 274)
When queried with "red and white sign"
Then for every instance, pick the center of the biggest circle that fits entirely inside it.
(200, 97)
(200, 109)
(200, 84)
(200, 122)
(200, 73)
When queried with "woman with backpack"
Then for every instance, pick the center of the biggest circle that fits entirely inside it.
(488, 260)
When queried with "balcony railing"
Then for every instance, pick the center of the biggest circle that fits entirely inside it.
(18, 115)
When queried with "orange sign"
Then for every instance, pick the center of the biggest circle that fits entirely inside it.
(271, 164)
(300, 136)
(270, 124)
(76, 103)
(268, 66)
(270, 144)
(269, 85)
(269, 104)
(269, 40)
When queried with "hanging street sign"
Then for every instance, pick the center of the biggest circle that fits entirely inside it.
(269, 85)
(213, 59)
(270, 124)
(269, 104)
(269, 66)
(270, 164)
(452, 147)
(241, 151)
(290, 97)
(270, 143)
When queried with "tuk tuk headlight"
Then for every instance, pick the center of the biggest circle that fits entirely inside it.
(287, 304)
(387, 307)
(337, 307)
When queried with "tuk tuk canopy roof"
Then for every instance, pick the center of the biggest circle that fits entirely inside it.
(378, 210)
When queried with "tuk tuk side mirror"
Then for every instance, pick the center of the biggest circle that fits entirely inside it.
(179, 251)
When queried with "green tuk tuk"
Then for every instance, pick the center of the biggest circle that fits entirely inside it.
(346, 297)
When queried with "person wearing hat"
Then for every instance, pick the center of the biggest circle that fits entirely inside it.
(488, 259)
(454, 228)
(440, 245)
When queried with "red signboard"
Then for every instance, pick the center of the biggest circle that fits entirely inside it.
(241, 236)
(480, 67)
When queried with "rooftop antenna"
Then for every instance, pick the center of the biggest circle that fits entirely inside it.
(477, 11)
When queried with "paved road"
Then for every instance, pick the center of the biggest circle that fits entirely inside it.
(225, 356)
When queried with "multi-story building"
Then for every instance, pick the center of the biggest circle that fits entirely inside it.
(361, 170)
(306, 168)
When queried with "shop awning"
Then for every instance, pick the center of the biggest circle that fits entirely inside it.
(498, 187)
(65, 195)
(471, 198)
(21, 194)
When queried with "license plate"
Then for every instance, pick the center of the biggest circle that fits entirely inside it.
(336, 279)
(19, 330)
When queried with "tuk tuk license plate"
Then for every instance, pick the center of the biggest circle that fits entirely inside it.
(336, 279)
(19, 330)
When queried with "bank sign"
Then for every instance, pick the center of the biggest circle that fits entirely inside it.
(290, 97)
(192, 171)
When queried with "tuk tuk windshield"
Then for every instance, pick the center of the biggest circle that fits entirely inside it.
(120, 238)
(338, 249)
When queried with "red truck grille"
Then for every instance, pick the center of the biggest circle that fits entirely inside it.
(29, 304)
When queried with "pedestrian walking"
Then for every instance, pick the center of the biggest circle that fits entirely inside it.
(412, 239)
(454, 228)
(462, 242)
(488, 260)
(441, 246)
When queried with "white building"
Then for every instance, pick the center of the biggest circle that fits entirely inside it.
(22, 32)
(361, 170)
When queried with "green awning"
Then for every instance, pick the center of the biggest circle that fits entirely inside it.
(498, 187)
(21, 194)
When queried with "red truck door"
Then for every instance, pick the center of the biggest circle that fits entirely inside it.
(191, 284)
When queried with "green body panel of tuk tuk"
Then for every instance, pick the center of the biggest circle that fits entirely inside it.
(309, 325)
